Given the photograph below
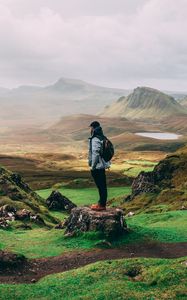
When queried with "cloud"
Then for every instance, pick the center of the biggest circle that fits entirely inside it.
(120, 43)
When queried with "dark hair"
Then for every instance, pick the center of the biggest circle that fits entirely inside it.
(94, 124)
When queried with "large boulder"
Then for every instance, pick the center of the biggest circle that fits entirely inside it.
(56, 201)
(111, 222)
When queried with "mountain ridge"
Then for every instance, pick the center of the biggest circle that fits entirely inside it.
(28, 105)
(144, 103)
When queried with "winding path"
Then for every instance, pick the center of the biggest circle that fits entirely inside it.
(34, 269)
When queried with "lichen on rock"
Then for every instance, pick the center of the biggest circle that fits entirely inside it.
(111, 222)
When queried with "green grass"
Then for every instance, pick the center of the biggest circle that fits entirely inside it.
(41, 242)
(165, 227)
(169, 226)
(59, 215)
(128, 279)
(86, 196)
(140, 162)
(134, 167)
(133, 171)
(37, 243)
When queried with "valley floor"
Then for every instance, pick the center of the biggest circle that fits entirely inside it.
(148, 263)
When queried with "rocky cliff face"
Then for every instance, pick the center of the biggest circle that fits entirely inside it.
(166, 184)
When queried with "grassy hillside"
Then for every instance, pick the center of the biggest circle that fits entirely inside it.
(166, 227)
(135, 278)
(15, 193)
(130, 279)
(158, 225)
(144, 103)
(165, 185)
(157, 219)
(176, 123)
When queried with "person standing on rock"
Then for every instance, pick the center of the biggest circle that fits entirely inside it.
(98, 164)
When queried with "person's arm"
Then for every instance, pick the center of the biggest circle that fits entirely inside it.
(89, 153)
(96, 150)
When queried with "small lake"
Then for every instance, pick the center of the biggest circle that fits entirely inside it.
(159, 135)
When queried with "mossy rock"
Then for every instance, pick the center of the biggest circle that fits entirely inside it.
(166, 184)
(15, 192)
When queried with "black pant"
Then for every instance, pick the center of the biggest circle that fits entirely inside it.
(99, 177)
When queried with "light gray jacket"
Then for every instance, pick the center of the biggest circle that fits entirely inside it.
(95, 161)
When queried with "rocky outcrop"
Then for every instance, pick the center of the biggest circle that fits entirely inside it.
(18, 201)
(111, 222)
(163, 189)
(7, 210)
(23, 215)
(16, 178)
(4, 224)
(9, 214)
(144, 183)
(56, 201)
(12, 186)
(160, 178)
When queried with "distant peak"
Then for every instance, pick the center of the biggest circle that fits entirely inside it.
(64, 80)
(145, 88)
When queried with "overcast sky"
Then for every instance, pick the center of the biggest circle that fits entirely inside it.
(117, 43)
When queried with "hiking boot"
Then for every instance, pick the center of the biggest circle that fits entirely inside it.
(97, 207)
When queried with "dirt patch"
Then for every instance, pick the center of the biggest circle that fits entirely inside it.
(10, 260)
(32, 270)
